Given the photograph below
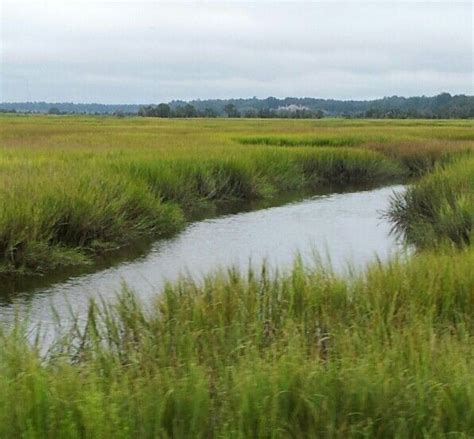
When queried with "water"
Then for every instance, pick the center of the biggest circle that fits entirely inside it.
(346, 228)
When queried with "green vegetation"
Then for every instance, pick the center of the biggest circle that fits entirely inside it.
(385, 353)
(442, 106)
(301, 141)
(72, 187)
(439, 209)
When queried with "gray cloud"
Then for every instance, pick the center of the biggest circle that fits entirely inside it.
(154, 51)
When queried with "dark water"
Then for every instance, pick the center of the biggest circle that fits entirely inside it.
(346, 229)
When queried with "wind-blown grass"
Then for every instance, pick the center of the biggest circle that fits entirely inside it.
(439, 208)
(71, 187)
(384, 354)
(300, 141)
(85, 203)
(415, 157)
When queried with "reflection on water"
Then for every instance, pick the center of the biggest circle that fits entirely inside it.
(345, 228)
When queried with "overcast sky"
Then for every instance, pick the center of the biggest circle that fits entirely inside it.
(140, 52)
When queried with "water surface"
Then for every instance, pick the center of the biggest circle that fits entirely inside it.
(346, 228)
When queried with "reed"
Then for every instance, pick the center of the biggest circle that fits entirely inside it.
(387, 353)
(72, 187)
(439, 208)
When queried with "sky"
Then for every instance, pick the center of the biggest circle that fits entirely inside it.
(154, 51)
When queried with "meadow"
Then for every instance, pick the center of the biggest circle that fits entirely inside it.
(388, 352)
(73, 187)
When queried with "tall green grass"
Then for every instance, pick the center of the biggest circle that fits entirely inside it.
(56, 213)
(300, 141)
(415, 157)
(75, 186)
(384, 353)
(439, 208)
(54, 209)
(308, 354)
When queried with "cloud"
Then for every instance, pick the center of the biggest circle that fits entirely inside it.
(155, 51)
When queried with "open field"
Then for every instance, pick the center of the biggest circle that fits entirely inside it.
(384, 353)
(74, 186)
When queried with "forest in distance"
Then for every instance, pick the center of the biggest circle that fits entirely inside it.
(442, 106)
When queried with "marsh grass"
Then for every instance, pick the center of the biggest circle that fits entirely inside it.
(84, 203)
(300, 141)
(439, 208)
(73, 187)
(387, 353)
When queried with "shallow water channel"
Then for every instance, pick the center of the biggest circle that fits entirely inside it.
(346, 228)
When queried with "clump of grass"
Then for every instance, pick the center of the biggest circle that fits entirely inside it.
(346, 166)
(439, 208)
(420, 158)
(72, 213)
(189, 181)
(415, 156)
(304, 354)
(300, 141)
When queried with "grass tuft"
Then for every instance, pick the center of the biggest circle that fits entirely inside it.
(439, 208)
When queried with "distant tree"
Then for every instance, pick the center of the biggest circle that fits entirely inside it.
(442, 100)
(272, 103)
(231, 110)
(178, 111)
(209, 112)
(251, 112)
(163, 110)
(144, 111)
(266, 113)
(318, 114)
(187, 110)
(190, 111)
(54, 110)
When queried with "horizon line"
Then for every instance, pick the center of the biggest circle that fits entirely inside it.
(239, 98)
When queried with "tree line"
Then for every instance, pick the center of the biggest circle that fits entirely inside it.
(229, 110)
(442, 106)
